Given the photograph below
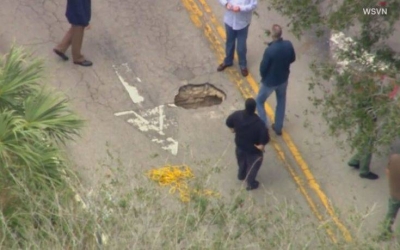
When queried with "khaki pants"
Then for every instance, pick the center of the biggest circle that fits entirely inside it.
(73, 38)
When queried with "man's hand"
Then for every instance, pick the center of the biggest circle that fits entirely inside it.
(236, 8)
(260, 147)
(232, 130)
(229, 6)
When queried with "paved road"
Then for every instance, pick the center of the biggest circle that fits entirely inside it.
(142, 54)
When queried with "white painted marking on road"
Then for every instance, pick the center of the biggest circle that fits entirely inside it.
(161, 118)
(156, 123)
(132, 91)
(143, 124)
(154, 120)
(173, 146)
(148, 120)
(172, 105)
(124, 113)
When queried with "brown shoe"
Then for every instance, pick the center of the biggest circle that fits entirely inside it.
(222, 66)
(245, 72)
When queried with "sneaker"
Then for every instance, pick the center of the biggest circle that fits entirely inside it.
(254, 186)
(370, 176)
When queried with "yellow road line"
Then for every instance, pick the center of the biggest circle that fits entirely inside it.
(302, 189)
(247, 92)
(196, 16)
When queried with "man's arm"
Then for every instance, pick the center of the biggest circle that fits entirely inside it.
(264, 138)
(265, 64)
(247, 7)
(293, 59)
(230, 122)
(264, 135)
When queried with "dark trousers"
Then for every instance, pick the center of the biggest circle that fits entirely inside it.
(249, 164)
(231, 37)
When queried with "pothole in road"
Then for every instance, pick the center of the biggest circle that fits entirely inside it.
(193, 96)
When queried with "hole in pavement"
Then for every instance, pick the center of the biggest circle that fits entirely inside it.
(193, 96)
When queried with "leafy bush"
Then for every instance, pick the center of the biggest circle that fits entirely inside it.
(347, 88)
(36, 199)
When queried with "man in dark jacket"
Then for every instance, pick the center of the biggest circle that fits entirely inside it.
(275, 70)
(251, 136)
(78, 14)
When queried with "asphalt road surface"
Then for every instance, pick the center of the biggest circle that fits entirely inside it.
(143, 52)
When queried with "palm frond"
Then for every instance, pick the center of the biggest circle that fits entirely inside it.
(50, 112)
(13, 146)
(20, 74)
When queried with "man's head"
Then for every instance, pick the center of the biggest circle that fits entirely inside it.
(276, 32)
(250, 106)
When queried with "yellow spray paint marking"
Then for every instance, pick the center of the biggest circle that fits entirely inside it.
(192, 8)
(177, 178)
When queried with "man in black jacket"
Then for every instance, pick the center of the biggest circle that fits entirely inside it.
(251, 136)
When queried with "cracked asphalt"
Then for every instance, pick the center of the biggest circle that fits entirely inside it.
(156, 49)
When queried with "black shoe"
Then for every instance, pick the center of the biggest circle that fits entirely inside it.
(356, 166)
(276, 132)
(254, 186)
(370, 176)
(84, 63)
(60, 54)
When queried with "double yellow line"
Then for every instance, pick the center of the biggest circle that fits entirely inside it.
(202, 16)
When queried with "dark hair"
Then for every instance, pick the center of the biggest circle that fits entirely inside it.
(250, 106)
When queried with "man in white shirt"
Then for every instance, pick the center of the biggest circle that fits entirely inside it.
(237, 21)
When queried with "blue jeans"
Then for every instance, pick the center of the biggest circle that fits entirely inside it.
(263, 95)
(231, 37)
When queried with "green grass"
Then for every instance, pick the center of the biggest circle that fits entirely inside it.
(43, 205)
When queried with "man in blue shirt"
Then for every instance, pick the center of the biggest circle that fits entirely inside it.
(274, 71)
(78, 14)
(237, 21)
(251, 136)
